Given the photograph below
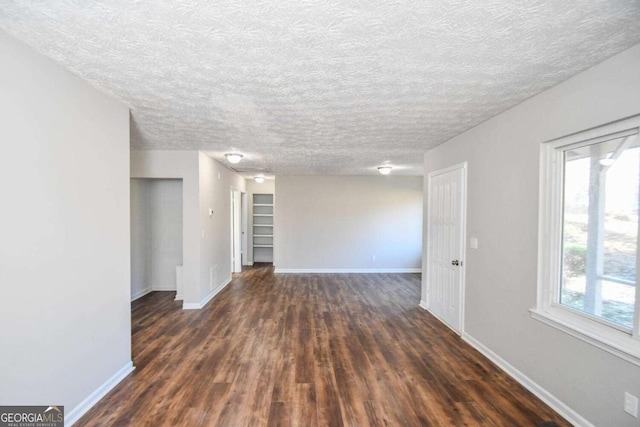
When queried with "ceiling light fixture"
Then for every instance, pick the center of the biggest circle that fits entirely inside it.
(233, 157)
(384, 170)
(259, 179)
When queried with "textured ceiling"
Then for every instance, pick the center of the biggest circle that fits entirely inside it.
(320, 86)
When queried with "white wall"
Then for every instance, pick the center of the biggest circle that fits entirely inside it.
(64, 251)
(340, 222)
(140, 242)
(216, 182)
(503, 156)
(183, 165)
(156, 234)
(206, 240)
(267, 187)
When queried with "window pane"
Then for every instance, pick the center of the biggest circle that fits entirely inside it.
(600, 229)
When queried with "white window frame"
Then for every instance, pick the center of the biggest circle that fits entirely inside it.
(548, 310)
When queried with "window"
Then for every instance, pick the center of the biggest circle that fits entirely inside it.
(588, 250)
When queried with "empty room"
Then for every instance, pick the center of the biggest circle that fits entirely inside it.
(320, 213)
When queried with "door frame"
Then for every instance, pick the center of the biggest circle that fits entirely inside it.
(244, 229)
(425, 303)
(236, 227)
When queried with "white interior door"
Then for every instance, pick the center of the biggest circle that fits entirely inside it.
(445, 252)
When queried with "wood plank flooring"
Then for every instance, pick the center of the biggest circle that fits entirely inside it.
(309, 350)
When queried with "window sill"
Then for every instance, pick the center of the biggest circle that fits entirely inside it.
(606, 338)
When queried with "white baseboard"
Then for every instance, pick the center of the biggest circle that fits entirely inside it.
(140, 294)
(556, 404)
(191, 305)
(205, 301)
(77, 412)
(423, 305)
(164, 289)
(347, 270)
(178, 297)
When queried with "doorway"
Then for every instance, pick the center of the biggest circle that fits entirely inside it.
(156, 236)
(236, 230)
(446, 217)
(243, 229)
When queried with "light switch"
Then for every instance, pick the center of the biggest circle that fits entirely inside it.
(210, 211)
(473, 242)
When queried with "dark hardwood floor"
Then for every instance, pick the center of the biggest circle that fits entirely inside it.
(309, 350)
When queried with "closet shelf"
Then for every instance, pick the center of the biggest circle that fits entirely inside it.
(263, 210)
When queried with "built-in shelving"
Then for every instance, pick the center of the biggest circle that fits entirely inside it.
(263, 227)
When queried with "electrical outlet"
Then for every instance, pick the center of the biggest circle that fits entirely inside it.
(373, 257)
(631, 404)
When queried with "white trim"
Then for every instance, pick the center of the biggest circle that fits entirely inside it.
(618, 128)
(463, 249)
(463, 243)
(82, 408)
(165, 289)
(236, 229)
(548, 310)
(448, 169)
(556, 404)
(347, 270)
(140, 294)
(424, 305)
(191, 305)
(604, 337)
(205, 301)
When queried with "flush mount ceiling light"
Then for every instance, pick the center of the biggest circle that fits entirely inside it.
(259, 179)
(233, 157)
(384, 170)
